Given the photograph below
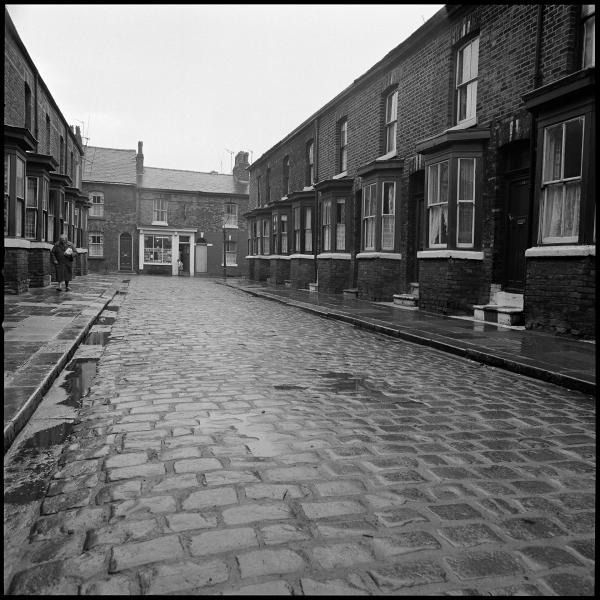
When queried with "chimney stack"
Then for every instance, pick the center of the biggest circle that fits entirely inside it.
(139, 160)
(240, 172)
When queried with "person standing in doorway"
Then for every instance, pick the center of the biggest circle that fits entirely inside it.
(62, 255)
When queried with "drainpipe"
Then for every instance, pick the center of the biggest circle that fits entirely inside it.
(316, 218)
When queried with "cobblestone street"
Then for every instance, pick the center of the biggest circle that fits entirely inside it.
(234, 445)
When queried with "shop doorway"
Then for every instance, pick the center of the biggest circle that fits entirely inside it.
(125, 252)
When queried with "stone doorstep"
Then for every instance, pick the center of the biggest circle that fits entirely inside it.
(414, 290)
(406, 299)
(502, 315)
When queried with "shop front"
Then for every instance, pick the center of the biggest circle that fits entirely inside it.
(161, 249)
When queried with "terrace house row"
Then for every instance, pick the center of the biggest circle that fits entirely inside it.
(459, 169)
(42, 174)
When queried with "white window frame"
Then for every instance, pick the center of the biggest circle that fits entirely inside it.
(465, 201)
(231, 255)
(97, 207)
(563, 182)
(159, 211)
(297, 228)
(266, 236)
(466, 81)
(588, 49)
(326, 225)
(96, 244)
(436, 205)
(31, 208)
(369, 213)
(283, 234)
(388, 219)
(391, 121)
(230, 212)
(340, 224)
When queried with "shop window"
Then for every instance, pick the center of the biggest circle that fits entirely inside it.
(391, 120)
(97, 208)
(437, 204)
(20, 193)
(231, 216)
(31, 208)
(388, 215)
(157, 249)
(588, 24)
(96, 244)
(159, 210)
(326, 225)
(465, 202)
(343, 151)
(340, 224)
(466, 82)
(369, 212)
(310, 164)
(286, 176)
(308, 245)
(561, 182)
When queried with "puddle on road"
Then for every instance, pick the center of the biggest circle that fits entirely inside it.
(77, 383)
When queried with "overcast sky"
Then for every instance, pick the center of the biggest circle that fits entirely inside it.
(196, 81)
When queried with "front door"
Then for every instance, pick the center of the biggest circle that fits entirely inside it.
(201, 262)
(125, 252)
(517, 229)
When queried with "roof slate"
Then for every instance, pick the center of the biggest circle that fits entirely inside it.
(108, 165)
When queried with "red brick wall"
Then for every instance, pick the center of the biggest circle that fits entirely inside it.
(335, 275)
(16, 275)
(302, 272)
(40, 267)
(378, 278)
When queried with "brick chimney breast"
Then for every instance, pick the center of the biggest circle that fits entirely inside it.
(139, 159)
(240, 172)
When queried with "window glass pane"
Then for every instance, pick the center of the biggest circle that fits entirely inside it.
(573, 148)
(32, 195)
(432, 185)
(474, 58)
(20, 179)
(443, 182)
(465, 223)
(466, 179)
(438, 224)
(571, 209)
(553, 153)
(552, 212)
(6, 173)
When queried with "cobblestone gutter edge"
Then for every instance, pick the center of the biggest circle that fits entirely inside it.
(16, 424)
(560, 379)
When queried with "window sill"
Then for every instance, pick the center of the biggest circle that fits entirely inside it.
(566, 250)
(340, 175)
(308, 188)
(160, 223)
(388, 255)
(95, 256)
(464, 124)
(462, 254)
(335, 255)
(389, 155)
(298, 255)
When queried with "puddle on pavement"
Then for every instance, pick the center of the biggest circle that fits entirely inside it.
(289, 386)
(77, 383)
(47, 437)
(97, 338)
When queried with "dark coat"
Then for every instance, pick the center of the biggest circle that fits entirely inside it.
(63, 263)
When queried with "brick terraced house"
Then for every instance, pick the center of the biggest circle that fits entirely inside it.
(458, 172)
(145, 219)
(42, 174)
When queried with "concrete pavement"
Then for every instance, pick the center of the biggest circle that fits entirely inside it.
(42, 328)
(234, 446)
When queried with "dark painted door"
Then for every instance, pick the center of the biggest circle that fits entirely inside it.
(125, 246)
(517, 229)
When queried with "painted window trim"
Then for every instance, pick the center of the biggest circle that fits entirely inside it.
(450, 253)
(560, 250)
(388, 255)
(335, 255)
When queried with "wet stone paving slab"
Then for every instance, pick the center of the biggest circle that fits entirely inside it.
(229, 444)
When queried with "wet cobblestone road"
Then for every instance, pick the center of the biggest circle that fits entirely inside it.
(234, 445)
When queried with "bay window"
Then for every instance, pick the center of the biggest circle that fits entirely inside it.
(31, 208)
(340, 224)
(561, 182)
(326, 225)
(437, 204)
(388, 215)
(369, 212)
(465, 203)
(308, 245)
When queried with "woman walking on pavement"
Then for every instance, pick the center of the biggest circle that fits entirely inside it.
(62, 255)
